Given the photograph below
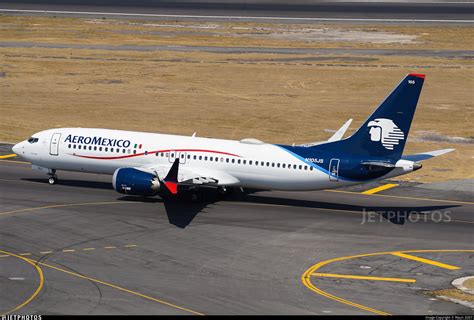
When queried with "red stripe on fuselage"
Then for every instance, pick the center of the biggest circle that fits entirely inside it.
(153, 152)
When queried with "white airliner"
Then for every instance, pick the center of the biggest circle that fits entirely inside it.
(150, 164)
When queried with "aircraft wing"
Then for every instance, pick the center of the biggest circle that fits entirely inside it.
(335, 137)
(426, 155)
(194, 176)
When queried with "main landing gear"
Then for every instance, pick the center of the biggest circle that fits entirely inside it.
(53, 178)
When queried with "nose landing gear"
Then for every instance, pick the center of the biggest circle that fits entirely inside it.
(53, 178)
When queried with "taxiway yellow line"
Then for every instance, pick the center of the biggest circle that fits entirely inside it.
(14, 161)
(423, 260)
(306, 276)
(6, 156)
(381, 188)
(62, 205)
(38, 289)
(116, 287)
(400, 197)
(348, 276)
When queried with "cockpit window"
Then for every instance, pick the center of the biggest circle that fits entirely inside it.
(33, 140)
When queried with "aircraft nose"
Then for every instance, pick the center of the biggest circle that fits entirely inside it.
(17, 147)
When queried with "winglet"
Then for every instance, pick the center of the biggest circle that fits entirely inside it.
(171, 180)
(340, 132)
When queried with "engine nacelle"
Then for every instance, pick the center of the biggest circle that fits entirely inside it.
(136, 182)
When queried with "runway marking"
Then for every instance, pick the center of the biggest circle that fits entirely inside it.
(231, 17)
(306, 276)
(63, 205)
(169, 304)
(6, 156)
(400, 197)
(70, 250)
(348, 276)
(381, 188)
(38, 289)
(427, 261)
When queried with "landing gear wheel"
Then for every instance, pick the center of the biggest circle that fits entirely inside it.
(53, 180)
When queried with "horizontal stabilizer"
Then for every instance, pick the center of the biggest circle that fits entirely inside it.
(426, 155)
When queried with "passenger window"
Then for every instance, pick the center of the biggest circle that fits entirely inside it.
(200, 157)
(238, 161)
(146, 152)
(250, 162)
(283, 165)
(268, 164)
(227, 160)
(233, 160)
(294, 166)
(273, 164)
(194, 157)
(300, 167)
(157, 154)
(189, 157)
(256, 163)
(90, 147)
(205, 158)
(278, 165)
(69, 146)
(245, 162)
(306, 167)
(134, 151)
(100, 148)
(123, 150)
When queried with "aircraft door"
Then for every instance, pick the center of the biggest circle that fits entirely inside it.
(334, 170)
(175, 154)
(54, 146)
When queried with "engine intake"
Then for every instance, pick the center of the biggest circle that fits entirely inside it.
(136, 182)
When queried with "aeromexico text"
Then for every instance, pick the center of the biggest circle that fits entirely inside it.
(99, 141)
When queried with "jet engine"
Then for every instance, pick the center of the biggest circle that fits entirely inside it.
(135, 182)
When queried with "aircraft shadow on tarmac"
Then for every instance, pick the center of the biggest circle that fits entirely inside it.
(76, 183)
(181, 212)
(394, 214)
